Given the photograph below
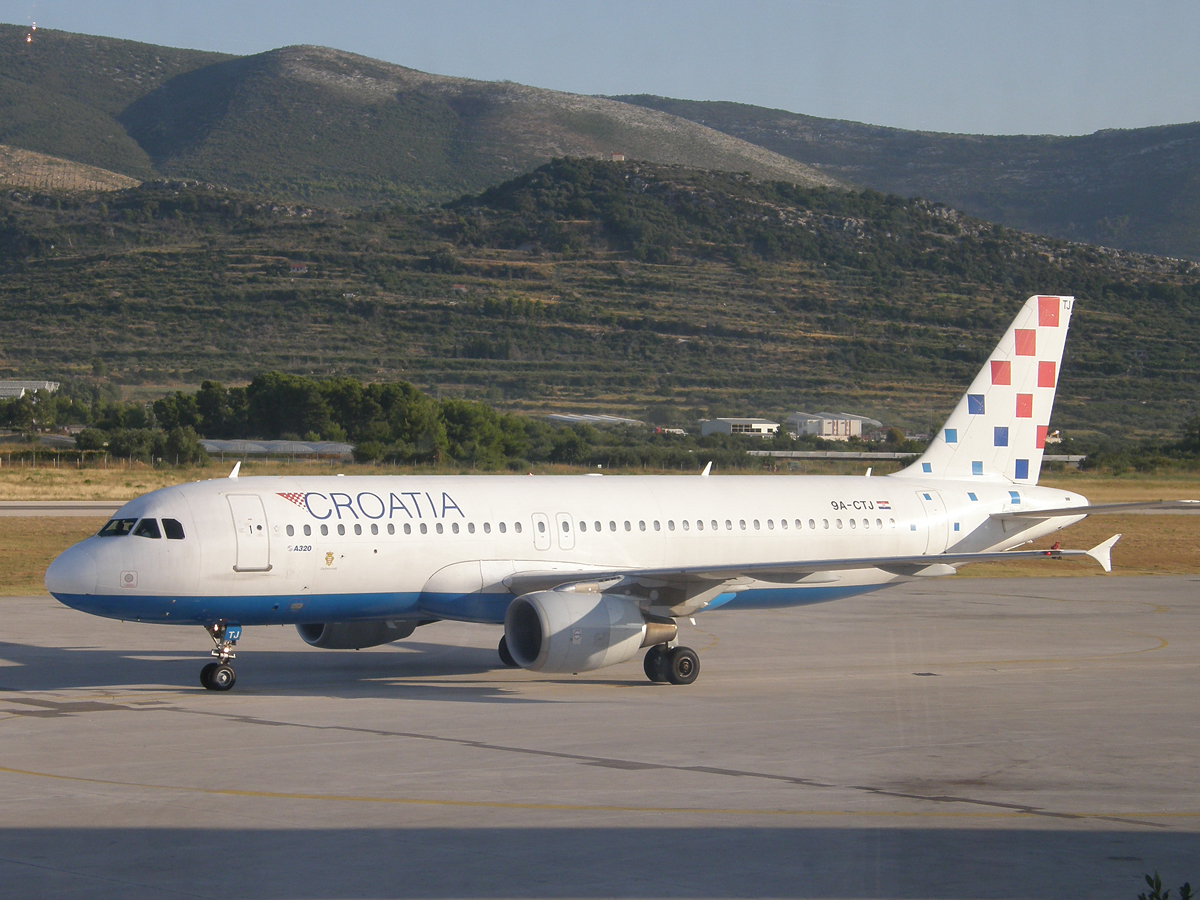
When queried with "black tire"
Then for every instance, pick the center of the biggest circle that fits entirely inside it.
(505, 656)
(222, 678)
(683, 665)
(655, 664)
(206, 676)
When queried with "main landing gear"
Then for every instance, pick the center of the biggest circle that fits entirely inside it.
(219, 675)
(678, 665)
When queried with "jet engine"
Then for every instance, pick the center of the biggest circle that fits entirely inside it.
(355, 635)
(564, 631)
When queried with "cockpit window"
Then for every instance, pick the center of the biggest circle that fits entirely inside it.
(147, 528)
(173, 529)
(117, 527)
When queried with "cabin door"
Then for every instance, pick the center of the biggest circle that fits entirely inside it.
(253, 538)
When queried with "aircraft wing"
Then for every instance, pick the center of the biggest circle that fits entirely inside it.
(1102, 509)
(682, 585)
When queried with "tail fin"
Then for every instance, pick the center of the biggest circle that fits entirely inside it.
(998, 430)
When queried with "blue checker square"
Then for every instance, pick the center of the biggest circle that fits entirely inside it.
(927, 468)
(977, 467)
(1022, 468)
(1001, 436)
(951, 435)
(975, 404)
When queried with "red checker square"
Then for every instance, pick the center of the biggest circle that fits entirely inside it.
(1001, 371)
(1041, 436)
(1046, 374)
(1048, 311)
(1024, 406)
(1026, 342)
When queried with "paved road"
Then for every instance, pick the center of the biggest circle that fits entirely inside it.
(971, 738)
(31, 508)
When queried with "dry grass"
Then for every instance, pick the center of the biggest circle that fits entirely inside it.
(27, 545)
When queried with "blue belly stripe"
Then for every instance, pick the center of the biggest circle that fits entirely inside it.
(277, 609)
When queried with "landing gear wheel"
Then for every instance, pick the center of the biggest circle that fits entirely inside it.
(206, 675)
(683, 665)
(505, 656)
(656, 663)
(222, 678)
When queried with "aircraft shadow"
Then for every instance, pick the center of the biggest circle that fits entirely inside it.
(380, 672)
(621, 862)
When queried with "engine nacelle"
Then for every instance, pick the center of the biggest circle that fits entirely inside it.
(564, 631)
(355, 635)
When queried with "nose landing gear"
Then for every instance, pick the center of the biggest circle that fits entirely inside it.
(219, 675)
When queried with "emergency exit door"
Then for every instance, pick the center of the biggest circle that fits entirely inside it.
(253, 538)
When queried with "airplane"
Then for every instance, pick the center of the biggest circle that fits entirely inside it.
(586, 571)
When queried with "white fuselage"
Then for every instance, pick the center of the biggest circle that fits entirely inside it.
(269, 550)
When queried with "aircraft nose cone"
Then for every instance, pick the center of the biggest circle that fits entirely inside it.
(73, 572)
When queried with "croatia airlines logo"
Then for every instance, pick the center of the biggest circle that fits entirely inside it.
(297, 498)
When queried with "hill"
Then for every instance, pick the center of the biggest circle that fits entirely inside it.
(323, 126)
(1136, 189)
(665, 292)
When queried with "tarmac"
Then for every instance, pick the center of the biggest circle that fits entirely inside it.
(951, 738)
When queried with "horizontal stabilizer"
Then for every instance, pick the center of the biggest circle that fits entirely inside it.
(1103, 509)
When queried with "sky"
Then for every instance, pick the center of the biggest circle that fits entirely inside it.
(970, 66)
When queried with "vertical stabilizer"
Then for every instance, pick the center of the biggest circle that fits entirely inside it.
(998, 430)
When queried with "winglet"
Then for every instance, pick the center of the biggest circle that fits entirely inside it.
(1101, 552)
(237, 466)
(707, 469)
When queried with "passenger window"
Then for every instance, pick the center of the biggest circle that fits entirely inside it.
(487, 527)
(424, 528)
(728, 525)
(770, 524)
(516, 527)
(470, 528)
(800, 524)
(879, 523)
(307, 529)
(391, 528)
(839, 523)
(566, 526)
(891, 523)
(742, 523)
(600, 528)
(358, 529)
(699, 524)
(825, 523)
(628, 526)
(174, 530)
(783, 524)
(341, 529)
(714, 525)
(407, 528)
(439, 528)
(541, 527)
(374, 528)
(454, 527)
(504, 528)
(117, 527)
(641, 526)
(147, 528)
(582, 525)
(657, 527)
(290, 531)
(852, 525)
(612, 526)
(324, 530)
(756, 525)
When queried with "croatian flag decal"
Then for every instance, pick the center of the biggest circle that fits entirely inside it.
(883, 504)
